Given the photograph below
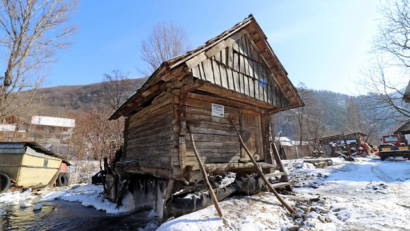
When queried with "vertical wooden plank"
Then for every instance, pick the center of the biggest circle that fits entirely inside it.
(251, 87)
(217, 56)
(236, 81)
(231, 81)
(201, 72)
(252, 64)
(215, 69)
(246, 65)
(257, 96)
(258, 79)
(254, 53)
(248, 54)
(236, 61)
(245, 47)
(261, 82)
(222, 68)
(240, 46)
(235, 47)
(256, 68)
(265, 84)
(270, 84)
(274, 95)
(223, 57)
(251, 68)
(242, 83)
(241, 64)
(224, 79)
(195, 72)
(245, 69)
(230, 56)
(209, 74)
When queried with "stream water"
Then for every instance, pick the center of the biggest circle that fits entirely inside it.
(62, 215)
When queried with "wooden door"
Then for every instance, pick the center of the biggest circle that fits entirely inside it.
(251, 134)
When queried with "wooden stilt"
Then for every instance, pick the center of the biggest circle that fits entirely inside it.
(290, 209)
(208, 185)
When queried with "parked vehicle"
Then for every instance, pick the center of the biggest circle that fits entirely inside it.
(393, 146)
(29, 165)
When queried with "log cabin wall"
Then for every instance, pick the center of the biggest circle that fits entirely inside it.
(150, 134)
(215, 137)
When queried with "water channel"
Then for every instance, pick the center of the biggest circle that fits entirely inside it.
(63, 215)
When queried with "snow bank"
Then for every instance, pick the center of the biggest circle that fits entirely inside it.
(91, 195)
(367, 194)
(259, 212)
(14, 198)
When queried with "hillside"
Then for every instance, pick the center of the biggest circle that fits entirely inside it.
(53, 100)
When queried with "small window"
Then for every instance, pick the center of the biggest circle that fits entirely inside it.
(45, 163)
(65, 130)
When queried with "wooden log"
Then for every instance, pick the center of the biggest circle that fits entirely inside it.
(290, 209)
(208, 185)
(232, 104)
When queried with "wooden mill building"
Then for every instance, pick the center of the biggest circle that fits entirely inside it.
(235, 75)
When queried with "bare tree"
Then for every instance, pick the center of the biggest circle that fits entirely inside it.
(315, 121)
(384, 77)
(384, 96)
(394, 31)
(32, 31)
(116, 88)
(307, 97)
(166, 41)
(94, 129)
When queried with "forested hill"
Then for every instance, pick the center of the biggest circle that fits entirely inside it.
(333, 104)
(73, 97)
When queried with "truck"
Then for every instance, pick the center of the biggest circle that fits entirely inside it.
(392, 145)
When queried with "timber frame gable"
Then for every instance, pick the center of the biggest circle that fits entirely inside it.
(239, 60)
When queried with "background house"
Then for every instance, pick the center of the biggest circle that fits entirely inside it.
(51, 130)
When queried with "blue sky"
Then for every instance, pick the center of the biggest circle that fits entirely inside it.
(321, 43)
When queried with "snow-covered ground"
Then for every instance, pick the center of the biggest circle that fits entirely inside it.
(367, 194)
(90, 196)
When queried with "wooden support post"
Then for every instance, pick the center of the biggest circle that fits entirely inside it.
(290, 209)
(279, 162)
(53, 180)
(208, 185)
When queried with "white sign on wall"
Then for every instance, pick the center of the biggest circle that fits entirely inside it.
(217, 110)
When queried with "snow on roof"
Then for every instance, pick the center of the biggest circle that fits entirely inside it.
(294, 142)
(53, 121)
(284, 141)
(342, 141)
(7, 128)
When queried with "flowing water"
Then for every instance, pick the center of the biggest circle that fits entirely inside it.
(62, 215)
